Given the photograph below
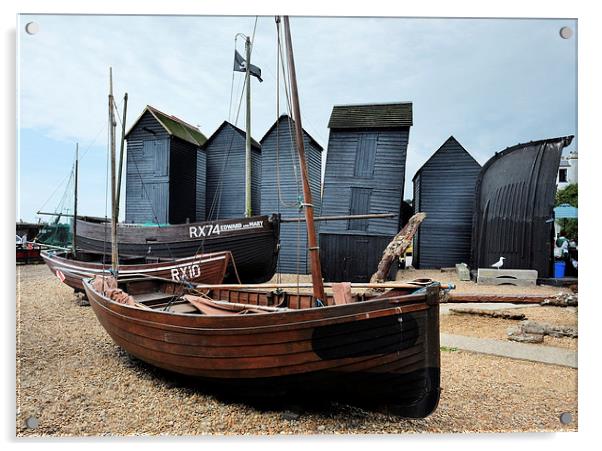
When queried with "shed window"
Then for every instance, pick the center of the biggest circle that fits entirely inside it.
(360, 205)
(562, 178)
(365, 155)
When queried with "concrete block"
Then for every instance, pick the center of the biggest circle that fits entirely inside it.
(517, 277)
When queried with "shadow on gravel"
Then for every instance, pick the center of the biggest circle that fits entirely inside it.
(287, 404)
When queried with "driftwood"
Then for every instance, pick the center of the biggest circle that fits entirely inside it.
(562, 300)
(504, 314)
(533, 332)
(397, 247)
(510, 298)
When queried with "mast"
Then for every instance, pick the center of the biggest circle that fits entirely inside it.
(248, 211)
(314, 250)
(118, 193)
(74, 238)
(112, 126)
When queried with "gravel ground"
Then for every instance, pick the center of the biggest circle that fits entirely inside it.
(75, 381)
(484, 327)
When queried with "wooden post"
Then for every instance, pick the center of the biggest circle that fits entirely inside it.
(308, 208)
(121, 151)
(112, 125)
(248, 210)
(396, 248)
(74, 238)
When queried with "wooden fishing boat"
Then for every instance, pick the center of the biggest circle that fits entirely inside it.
(201, 268)
(379, 352)
(378, 349)
(252, 241)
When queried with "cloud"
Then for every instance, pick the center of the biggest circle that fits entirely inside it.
(490, 83)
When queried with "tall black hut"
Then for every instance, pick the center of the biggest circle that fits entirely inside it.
(444, 188)
(165, 172)
(365, 173)
(225, 195)
(282, 191)
(514, 208)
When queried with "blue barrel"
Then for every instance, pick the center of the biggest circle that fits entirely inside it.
(559, 270)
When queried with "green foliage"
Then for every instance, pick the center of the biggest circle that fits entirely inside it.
(567, 195)
(569, 228)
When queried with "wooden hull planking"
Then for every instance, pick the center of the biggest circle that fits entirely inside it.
(253, 242)
(382, 353)
(197, 269)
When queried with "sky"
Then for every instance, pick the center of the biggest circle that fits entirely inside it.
(491, 83)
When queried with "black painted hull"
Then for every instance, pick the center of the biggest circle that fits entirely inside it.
(255, 250)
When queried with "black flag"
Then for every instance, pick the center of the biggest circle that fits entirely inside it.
(240, 65)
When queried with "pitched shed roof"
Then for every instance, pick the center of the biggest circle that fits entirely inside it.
(286, 116)
(449, 141)
(174, 126)
(374, 115)
(238, 130)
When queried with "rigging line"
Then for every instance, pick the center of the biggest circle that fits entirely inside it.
(104, 244)
(280, 196)
(231, 95)
(84, 153)
(218, 194)
(154, 213)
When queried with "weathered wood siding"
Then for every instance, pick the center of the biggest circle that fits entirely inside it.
(161, 176)
(183, 188)
(225, 192)
(351, 258)
(365, 159)
(147, 173)
(201, 184)
(444, 188)
(281, 190)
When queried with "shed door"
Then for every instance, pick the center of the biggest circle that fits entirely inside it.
(365, 155)
(156, 152)
(158, 194)
(360, 205)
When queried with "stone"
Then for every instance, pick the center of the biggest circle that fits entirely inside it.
(527, 338)
(289, 415)
(531, 327)
(463, 272)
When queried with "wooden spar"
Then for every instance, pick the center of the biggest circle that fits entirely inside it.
(506, 298)
(248, 211)
(74, 238)
(112, 125)
(121, 151)
(342, 218)
(397, 247)
(314, 250)
(271, 286)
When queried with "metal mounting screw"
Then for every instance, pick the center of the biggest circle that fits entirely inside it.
(566, 32)
(32, 422)
(32, 27)
(566, 417)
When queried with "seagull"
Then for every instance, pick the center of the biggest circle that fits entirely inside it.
(499, 263)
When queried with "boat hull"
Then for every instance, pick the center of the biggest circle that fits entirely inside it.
(253, 242)
(203, 268)
(381, 354)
